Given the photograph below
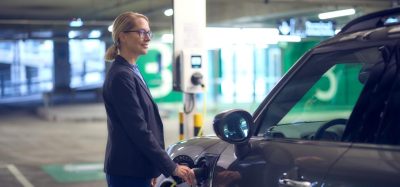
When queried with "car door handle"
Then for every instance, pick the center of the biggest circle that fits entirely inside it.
(294, 183)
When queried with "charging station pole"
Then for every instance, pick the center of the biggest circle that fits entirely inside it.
(189, 64)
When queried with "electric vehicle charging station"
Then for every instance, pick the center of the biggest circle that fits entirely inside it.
(191, 71)
(189, 63)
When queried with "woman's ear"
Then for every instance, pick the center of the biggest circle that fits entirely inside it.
(121, 38)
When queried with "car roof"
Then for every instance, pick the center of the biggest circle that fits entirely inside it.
(373, 21)
(378, 26)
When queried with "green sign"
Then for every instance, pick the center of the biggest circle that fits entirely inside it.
(156, 67)
(75, 172)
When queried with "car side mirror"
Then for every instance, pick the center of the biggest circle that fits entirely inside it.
(235, 127)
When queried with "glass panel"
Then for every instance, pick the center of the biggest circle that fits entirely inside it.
(256, 68)
(324, 89)
(26, 67)
(236, 128)
(332, 96)
(87, 62)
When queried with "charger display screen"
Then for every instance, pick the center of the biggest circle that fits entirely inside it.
(196, 61)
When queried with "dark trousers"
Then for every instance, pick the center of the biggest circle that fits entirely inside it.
(124, 181)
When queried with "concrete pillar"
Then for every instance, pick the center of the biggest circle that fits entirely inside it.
(62, 67)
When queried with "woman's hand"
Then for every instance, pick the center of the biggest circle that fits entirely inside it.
(185, 173)
(153, 182)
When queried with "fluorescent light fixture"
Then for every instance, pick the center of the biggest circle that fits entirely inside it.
(76, 23)
(289, 38)
(73, 34)
(338, 13)
(110, 28)
(391, 20)
(169, 12)
(94, 34)
(217, 37)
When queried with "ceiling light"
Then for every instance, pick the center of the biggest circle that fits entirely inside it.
(169, 12)
(253, 36)
(338, 13)
(391, 20)
(94, 34)
(73, 34)
(110, 28)
(289, 38)
(76, 22)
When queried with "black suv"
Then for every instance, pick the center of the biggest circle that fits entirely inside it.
(333, 119)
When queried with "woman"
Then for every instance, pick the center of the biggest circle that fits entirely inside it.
(135, 153)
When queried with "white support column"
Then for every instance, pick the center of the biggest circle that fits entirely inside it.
(189, 29)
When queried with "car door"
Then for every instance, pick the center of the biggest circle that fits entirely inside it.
(300, 126)
(278, 163)
(367, 165)
(374, 157)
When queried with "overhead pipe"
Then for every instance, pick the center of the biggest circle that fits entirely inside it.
(336, 2)
(50, 22)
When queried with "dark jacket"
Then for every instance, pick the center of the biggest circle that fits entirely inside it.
(135, 145)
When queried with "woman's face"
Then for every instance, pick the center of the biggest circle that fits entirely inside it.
(134, 41)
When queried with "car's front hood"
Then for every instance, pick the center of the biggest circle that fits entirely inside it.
(197, 146)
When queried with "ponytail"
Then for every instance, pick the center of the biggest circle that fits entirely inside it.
(111, 53)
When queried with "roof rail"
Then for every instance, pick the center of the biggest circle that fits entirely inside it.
(370, 21)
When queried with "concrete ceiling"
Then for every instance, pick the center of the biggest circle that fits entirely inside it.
(31, 15)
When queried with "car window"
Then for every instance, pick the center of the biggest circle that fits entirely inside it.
(318, 100)
(333, 96)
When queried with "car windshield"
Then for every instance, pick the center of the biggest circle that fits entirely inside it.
(326, 87)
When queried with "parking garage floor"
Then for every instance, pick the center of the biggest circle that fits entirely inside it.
(63, 147)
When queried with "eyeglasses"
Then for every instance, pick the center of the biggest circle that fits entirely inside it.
(142, 33)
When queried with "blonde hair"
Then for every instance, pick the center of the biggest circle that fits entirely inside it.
(123, 22)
